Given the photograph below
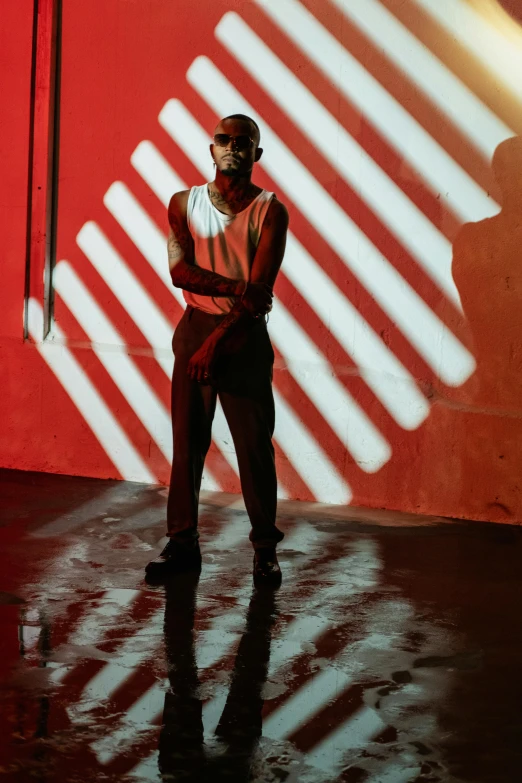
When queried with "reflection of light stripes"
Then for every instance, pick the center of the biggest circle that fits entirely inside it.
(413, 229)
(297, 632)
(129, 380)
(415, 145)
(94, 626)
(465, 110)
(434, 342)
(495, 49)
(89, 402)
(213, 645)
(131, 294)
(325, 687)
(145, 234)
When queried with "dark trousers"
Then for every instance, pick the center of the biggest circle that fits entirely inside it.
(243, 382)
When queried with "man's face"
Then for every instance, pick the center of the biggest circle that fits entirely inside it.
(233, 161)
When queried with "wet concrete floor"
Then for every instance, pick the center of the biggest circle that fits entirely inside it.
(391, 653)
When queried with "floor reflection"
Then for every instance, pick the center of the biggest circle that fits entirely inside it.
(389, 655)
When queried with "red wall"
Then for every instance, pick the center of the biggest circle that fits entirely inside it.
(121, 63)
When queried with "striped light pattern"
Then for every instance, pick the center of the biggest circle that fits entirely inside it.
(367, 316)
(331, 655)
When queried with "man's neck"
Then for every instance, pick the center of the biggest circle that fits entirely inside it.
(232, 194)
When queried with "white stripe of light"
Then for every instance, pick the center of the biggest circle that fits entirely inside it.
(450, 95)
(381, 370)
(156, 171)
(444, 176)
(357, 732)
(315, 375)
(82, 514)
(323, 688)
(188, 135)
(142, 309)
(499, 54)
(404, 219)
(105, 427)
(93, 626)
(125, 374)
(434, 342)
(145, 234)
(128, 290)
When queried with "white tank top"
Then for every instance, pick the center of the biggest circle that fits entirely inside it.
(225, 244)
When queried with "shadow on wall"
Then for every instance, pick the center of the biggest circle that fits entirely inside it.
(483, 453)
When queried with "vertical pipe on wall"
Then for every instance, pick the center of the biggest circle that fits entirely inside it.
(42, 168)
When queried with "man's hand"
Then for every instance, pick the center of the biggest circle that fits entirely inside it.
(201, 365)
(258, 298)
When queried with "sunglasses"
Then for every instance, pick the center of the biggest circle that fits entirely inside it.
(241, 142)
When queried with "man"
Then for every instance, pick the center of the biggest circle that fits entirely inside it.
(226, 244)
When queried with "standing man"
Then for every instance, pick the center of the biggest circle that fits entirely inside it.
(226, 244)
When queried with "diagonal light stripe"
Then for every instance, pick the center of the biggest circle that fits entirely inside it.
(189, 135)
(129, 380)
(131, 294)
(500, 51)
(93, 627)
(315, 375)
(156, 171)
(89, 402)
(82, 515)
(324, 687)
(148, 317)
(387, 378)
(213, 645)
(382, 372)
(413, 229)
(396, 772)
(439, 348)
(451, 96)
(445, 177)
(145, 234)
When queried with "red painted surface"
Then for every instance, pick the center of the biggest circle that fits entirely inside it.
(119, 68)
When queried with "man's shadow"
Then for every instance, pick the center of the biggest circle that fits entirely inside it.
(487, 270)
(182, 752)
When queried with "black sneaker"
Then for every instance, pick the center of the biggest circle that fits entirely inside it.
(267, 572)
(174, 559)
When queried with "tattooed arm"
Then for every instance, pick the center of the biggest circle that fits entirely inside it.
(267, 261)
(187, 275)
